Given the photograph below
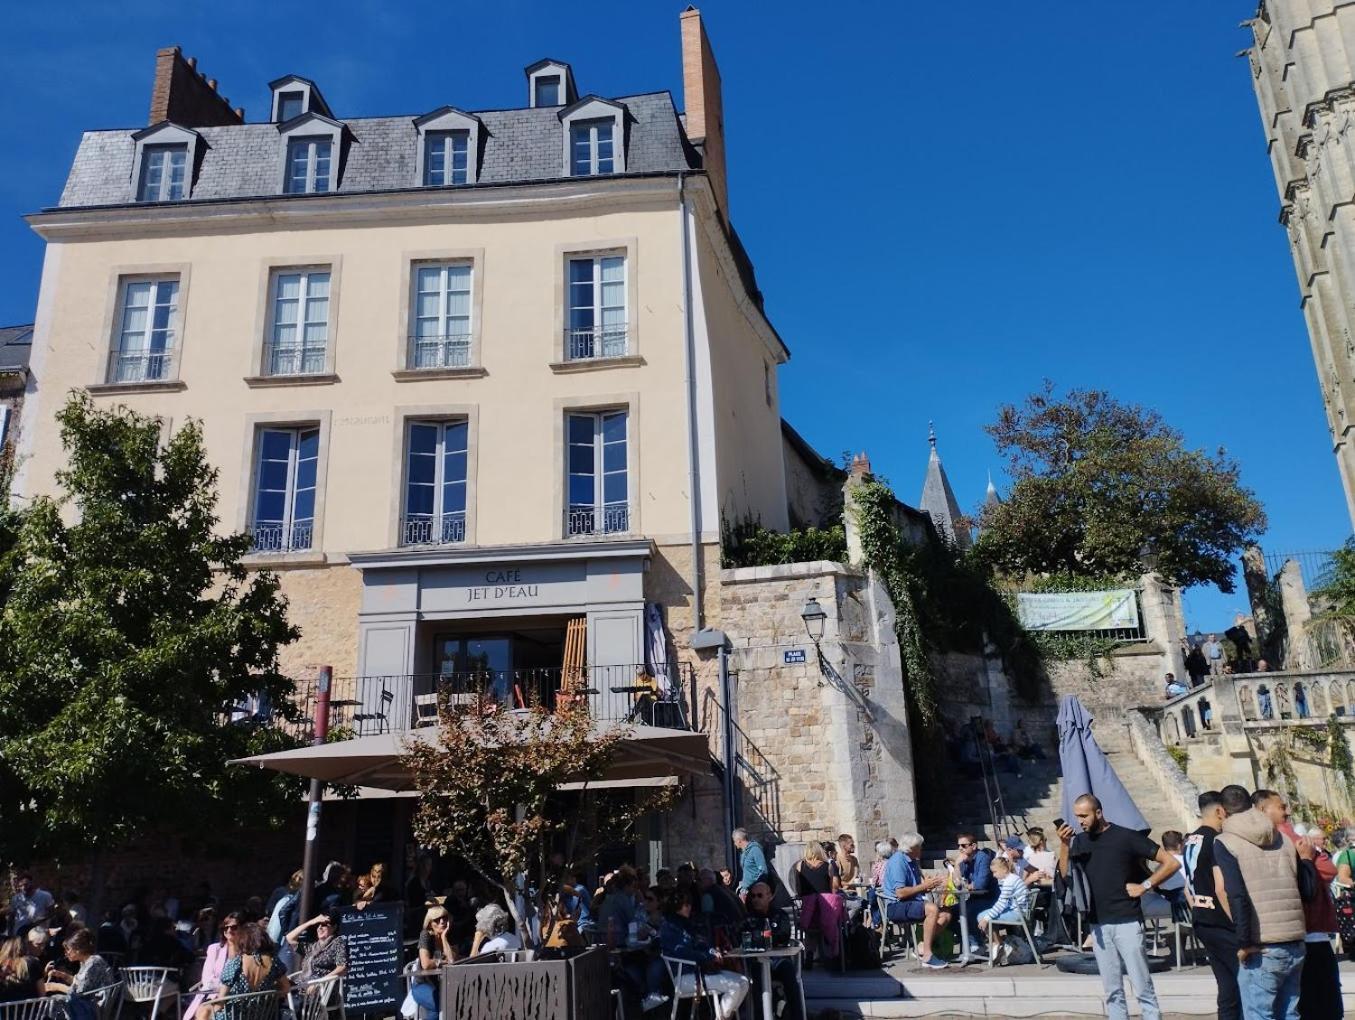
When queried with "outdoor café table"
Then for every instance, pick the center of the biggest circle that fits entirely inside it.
(961, 894)
(765, 958)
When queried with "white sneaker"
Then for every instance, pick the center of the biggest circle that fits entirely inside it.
(653, 1001)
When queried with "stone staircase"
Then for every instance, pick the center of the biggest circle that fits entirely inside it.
(1034, 799)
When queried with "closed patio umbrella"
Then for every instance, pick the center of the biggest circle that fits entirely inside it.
(1086, 770)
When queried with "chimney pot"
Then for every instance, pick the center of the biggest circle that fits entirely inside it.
(240, 112)
(211, 84)
(193, 62)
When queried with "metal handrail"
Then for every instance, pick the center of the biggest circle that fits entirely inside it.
(605, 340)
(451, 350)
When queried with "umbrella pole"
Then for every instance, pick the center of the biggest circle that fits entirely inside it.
(320, 732)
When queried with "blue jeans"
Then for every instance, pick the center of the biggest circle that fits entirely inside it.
(426, 995)
(1269, 982)
(1119, 951)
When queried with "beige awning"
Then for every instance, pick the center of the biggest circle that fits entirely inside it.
(377, 761)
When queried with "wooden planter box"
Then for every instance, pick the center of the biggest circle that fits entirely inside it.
(578, 988)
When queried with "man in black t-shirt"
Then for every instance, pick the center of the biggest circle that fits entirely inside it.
(1112, 859)
(1213, 927)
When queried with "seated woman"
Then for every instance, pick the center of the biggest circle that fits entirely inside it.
(493, 931)
(679, 939)
(255, 968)
(1012, 898)
(328, 954)
(19, 979)
(435, 951)
(94, 972)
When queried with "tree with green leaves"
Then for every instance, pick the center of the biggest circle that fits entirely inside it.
(1096, 482)
(128, 628)
(489, 785)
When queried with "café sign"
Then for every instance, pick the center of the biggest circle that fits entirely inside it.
(502, 585)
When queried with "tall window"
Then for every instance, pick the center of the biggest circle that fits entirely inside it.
(435, 483)
(442, 317)
(548, 90)
(591, 147)
(308, 165)
(597, 308)
(290, 106)
(284, 489)
(164, 173)
(599, 492)
(446, 157)
(145, 344)
(300, 335)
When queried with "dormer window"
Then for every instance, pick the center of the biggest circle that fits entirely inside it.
(449, 148)
(312, 154)
(164, 174)
(309, 161)
(162, 166)
(550, 83)
(290, 106)
(594, 138)
(547, 90)
(294, 96)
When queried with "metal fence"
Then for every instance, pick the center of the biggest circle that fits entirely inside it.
(431, 352)
(1315, 566)
(1122, 635)
(609, 340)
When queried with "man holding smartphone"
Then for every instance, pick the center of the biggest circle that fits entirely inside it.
(1112, 858)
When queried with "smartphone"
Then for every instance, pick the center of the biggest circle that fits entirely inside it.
(1059, 823)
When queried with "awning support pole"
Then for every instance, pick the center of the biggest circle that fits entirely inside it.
(321, 732)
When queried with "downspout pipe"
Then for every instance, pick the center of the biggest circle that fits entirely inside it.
(693, 443)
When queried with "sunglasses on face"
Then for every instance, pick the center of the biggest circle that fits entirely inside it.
(964, 846)
(229, 927)
(442, 920)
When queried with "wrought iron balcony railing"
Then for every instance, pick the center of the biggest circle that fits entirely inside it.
(271, 537)
(141, 366)
(429, 529)
(586, 343)
(294, 359)
(433, 352)
(588, 520)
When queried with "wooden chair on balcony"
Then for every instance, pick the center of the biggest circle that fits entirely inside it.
(573, 683)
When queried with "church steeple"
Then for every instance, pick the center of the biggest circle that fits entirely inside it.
(991, 498)
(938, 499)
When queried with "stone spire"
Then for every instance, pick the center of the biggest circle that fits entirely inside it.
(991, 498)
(938, 499)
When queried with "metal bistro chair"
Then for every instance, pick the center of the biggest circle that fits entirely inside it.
(677, 970)
(107, 1000)
(413, 970)
(266, 1005)
(315, 999)
(425, 709)
(45, 1008)
(903, 930)
(152, 985)
(380, 716)
(1026, 924)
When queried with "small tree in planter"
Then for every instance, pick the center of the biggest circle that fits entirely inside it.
(485, 784)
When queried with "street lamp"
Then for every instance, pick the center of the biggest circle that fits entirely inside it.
(814, 618)
(1148, 557)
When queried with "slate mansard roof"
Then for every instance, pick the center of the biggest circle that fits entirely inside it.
(379, 154)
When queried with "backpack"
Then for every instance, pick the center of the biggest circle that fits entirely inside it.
(1021, 951)
(286, 907)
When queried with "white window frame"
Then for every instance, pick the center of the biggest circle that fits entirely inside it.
(446, 141)
(144, 356)
(580, 520)
(438, 531)
(587, 111)
(5, 414)
(164, 188)
(449, 120)
(550, 69)
(164, 135)
(548, 78)
(271, 339)
(453, 350)
(593, 127)
(599, 341)
(287, 533)
(312, 144)
(283, 95)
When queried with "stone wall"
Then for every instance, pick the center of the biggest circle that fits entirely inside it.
(826, 742)
(323, 603)
(1181, 795)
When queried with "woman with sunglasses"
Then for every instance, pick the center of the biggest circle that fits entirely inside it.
(327, 952)
(254, 968)
(435, 950)
(218, 953)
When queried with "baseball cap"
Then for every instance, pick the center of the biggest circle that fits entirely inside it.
(1013, 842)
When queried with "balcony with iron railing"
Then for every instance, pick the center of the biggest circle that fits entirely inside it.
(277, 537)
(429, 353)
(294, 359)
(141, 367)
(360, 706)
(589, 343)
(431, 529)
(590, 520)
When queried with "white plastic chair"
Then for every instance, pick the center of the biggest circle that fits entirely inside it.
(1026, 924)
(32, 1009)
(153, 985)
(677, 969)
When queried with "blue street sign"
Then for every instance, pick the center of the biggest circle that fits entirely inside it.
(793, 655)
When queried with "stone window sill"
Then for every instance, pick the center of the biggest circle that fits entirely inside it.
(283, 561)
(265, 381)
(159, 386)
(417, 374)
(596, 364)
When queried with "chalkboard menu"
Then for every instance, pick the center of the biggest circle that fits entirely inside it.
(375, 947)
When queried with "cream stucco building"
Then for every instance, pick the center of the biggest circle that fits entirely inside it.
(1303, 68)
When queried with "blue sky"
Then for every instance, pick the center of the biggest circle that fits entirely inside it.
(946, 203)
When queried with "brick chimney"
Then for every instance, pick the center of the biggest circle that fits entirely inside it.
(705, 115)
(186, 97)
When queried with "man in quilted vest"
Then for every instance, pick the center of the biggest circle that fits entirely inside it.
(1259, 871)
